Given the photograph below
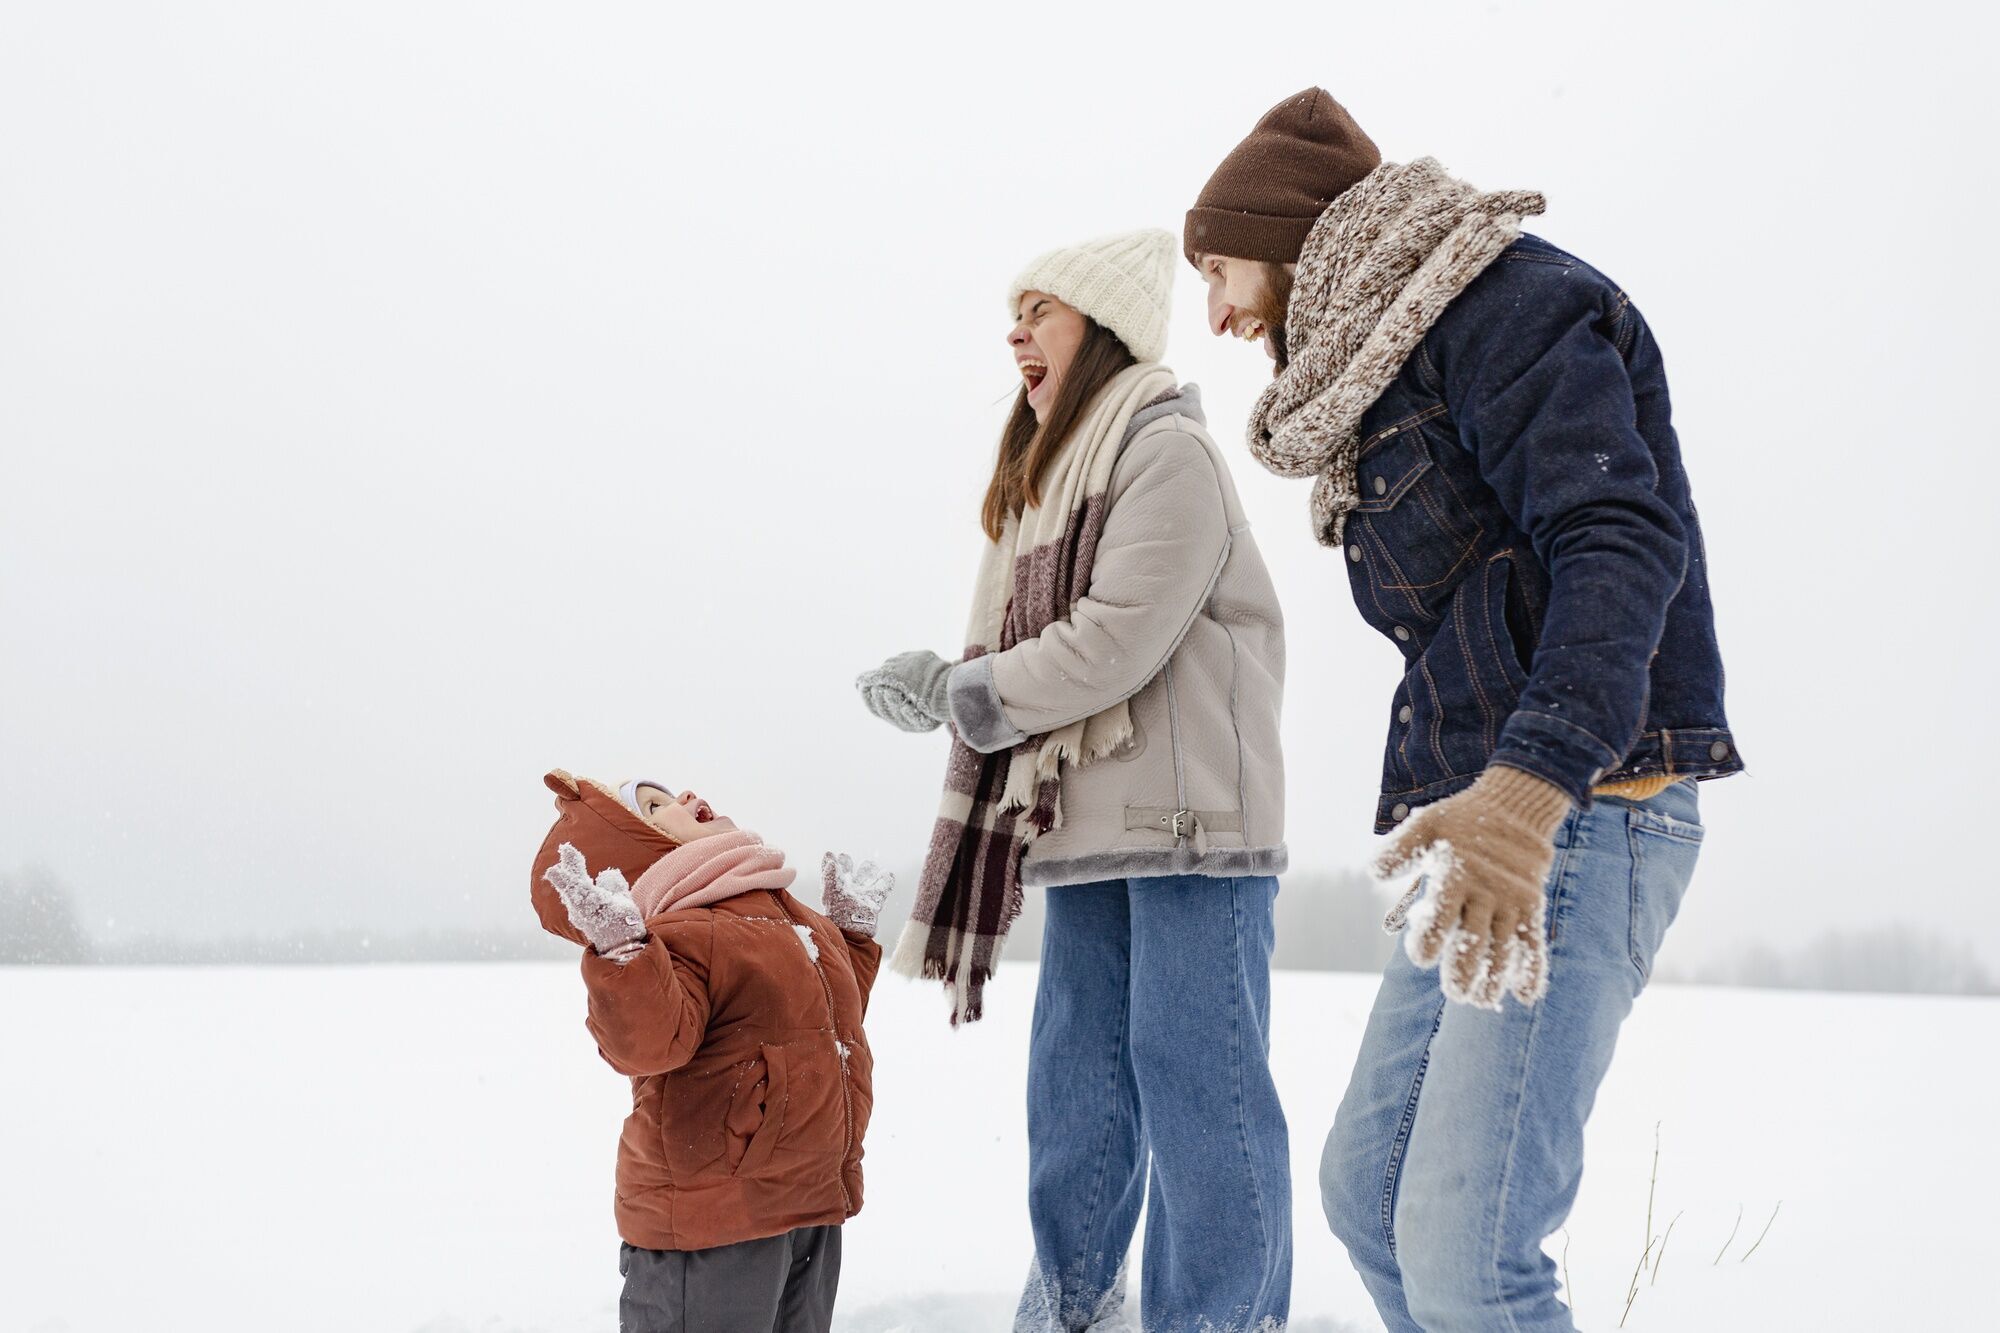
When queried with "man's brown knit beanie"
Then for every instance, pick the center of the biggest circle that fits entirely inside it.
(1268, 192)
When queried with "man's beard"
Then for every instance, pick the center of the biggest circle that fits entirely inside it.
(1270, 307)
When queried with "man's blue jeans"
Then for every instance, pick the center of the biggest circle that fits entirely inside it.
(1459, 1145)
(1152, 1037)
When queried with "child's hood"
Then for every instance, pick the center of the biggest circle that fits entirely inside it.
(604, 830)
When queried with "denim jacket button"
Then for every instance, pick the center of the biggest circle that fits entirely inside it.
(1400, 813)
(1354, 554)
(1403, 715)
(1403, 633)
(1381, 485)
(1719, 751)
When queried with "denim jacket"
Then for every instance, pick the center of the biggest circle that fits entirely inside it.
(1527, 538)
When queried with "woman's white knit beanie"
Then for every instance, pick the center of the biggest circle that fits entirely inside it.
(1124, 282)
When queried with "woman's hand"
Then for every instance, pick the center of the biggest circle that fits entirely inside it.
(601, 908)
(909, 690)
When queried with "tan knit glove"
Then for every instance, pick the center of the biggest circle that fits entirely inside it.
(1486, 854)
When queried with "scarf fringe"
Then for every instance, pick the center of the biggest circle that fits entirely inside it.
(908, 958)
(912, 959)
(1080, 744)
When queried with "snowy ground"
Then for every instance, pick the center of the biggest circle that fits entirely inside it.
(405, 1148)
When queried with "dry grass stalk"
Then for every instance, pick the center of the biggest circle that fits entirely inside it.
(1661, 1257)
(1732, 1236)
(1652, 1187)
(1760, 1235)
(1568, 1290)
(1632, 1293)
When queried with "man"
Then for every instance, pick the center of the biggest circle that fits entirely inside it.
(1486, 422)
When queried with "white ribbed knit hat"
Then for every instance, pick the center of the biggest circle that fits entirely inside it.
(1124, 282)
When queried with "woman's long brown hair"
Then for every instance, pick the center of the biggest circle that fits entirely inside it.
(1028, 446)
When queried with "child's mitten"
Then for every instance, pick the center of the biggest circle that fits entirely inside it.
(854, 894)
(601, 908)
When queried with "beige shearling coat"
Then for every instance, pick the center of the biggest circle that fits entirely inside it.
(1181, 619)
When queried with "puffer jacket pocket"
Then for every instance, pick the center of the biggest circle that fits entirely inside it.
(693, 1114)
(757, 1113)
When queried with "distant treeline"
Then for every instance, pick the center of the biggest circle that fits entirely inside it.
(1327, 922)
(1899, 959)
(38, 924)
(1324, 922)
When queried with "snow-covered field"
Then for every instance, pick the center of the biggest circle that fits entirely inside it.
(403, 1148)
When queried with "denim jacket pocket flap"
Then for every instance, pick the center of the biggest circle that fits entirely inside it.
(1387, 470)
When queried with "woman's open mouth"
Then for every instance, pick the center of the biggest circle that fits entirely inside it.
(1033, 373)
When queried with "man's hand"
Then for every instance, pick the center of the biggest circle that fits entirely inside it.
(601, 908)
(1486, 854)
(853, 895)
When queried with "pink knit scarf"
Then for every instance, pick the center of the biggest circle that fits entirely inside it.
(708, 870)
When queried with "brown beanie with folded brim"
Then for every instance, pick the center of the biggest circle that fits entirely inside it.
(1266, 195)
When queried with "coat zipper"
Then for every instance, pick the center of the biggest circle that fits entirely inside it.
(1184, 819)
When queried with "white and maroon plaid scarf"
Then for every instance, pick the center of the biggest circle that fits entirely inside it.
(995, 805)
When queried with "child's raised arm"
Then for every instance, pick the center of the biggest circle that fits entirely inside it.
(650, 1012)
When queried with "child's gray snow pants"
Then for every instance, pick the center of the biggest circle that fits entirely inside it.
(781, 1284)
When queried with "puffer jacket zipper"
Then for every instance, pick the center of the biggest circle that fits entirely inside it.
(804, 933)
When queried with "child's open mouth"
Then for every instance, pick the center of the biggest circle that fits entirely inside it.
(703, 812)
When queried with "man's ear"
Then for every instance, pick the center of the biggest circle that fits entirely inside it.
(561, 783)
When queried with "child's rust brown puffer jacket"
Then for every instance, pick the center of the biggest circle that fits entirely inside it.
(740, 1026)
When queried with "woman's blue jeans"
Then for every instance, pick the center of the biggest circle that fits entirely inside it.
(1149, 1081)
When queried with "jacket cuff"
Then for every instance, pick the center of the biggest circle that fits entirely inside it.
(976, 711)
(1555, 751)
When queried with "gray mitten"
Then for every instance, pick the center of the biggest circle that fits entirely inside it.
(601, 908)
(853, 895)
(910, 690)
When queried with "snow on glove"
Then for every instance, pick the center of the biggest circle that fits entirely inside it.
(601, 908)
(1486, 853)
(853, 895)
(910, 690)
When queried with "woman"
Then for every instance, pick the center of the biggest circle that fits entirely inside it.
(1115, 723)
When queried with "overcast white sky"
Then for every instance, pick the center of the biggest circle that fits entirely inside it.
(398, 400)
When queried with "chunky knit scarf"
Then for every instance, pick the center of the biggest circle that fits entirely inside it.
(1378, 268)
(995, 805)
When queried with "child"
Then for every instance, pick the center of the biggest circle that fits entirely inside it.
(736, 1010)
